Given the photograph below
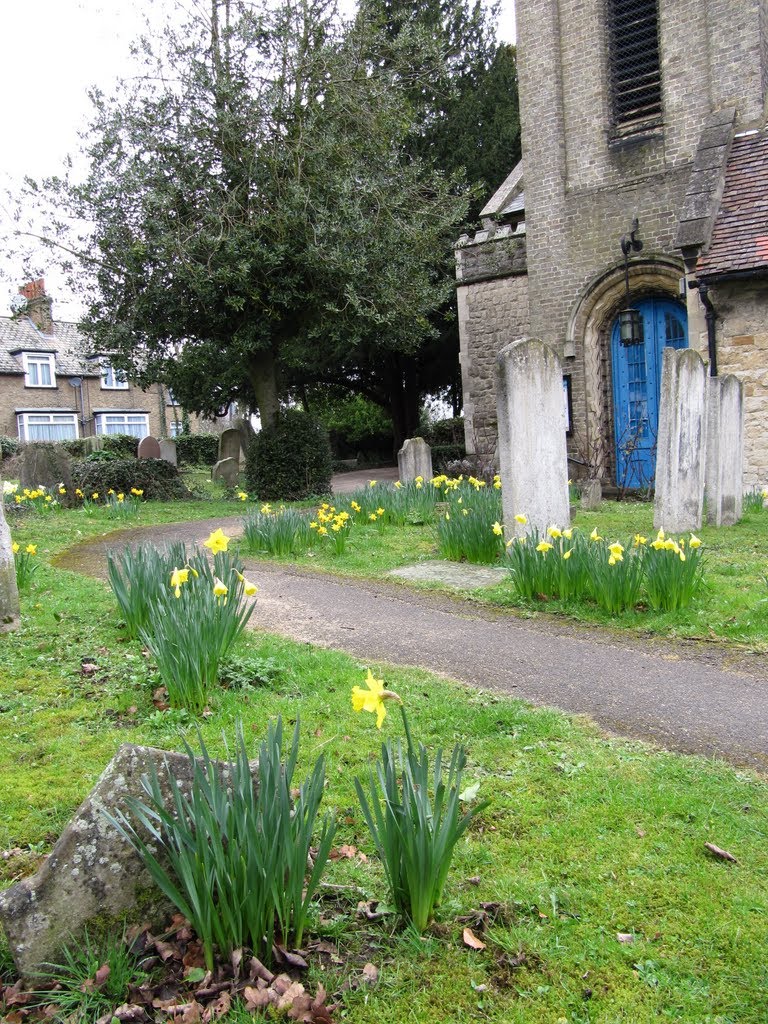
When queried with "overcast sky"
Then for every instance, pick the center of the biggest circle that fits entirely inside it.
(51, 52)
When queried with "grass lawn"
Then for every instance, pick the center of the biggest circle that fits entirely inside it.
(592, 849)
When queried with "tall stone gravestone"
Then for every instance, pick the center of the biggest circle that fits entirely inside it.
(414, 459)
(681, 445)
(725, 450)
(229, 445)
(532, 444)
(45, 466)
(149, 448)
(9, 594)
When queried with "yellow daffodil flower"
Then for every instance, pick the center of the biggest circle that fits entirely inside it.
(179, 576)
(510, 542)
(249, 588)
(62, 489)
(595, 535)
(137, 492)
(354, 506)
(498, 528)
(465, 511)
(121, 497)
(398, 485)
(220, 589)
(419, 485)
(568, 533)
(613, 560)
(265, 509)
(371, 483)
(31, 549)
(419, 479)
(379, 511)
(372, 517)
(242, 495)
(322, 531)
(520, 518)
(617, 551)
(373, 698)
(640, 540)
(661, 535)
(555, 533)
(497, 482)
(78, 493)
(95, 496)
(15, 547)
(447, 516)
(543, 547)
(567, 554)
(48, 498)
(694, 542)
(218, 541)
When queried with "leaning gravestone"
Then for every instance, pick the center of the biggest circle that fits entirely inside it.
(45, 465)
(168, 451)
(149, 448)
(725, 450)
(226, 470)
(93, 878)
(9, 594)
(681, 447)
(229, 445)
(414, 459)
(532, 444)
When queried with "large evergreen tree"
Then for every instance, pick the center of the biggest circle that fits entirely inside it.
(252, 208)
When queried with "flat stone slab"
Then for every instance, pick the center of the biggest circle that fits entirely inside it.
(93, 877)
(462, 575)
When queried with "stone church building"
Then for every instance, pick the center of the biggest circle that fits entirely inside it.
(643, 122)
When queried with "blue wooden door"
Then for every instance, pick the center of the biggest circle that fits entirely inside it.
(636, 384)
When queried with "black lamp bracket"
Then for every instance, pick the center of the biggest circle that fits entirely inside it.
(629, 243)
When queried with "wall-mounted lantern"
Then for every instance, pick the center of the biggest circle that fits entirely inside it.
(630, 320)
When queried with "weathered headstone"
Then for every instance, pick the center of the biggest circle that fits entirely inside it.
(414, 459)
(94, 443)
(45, 465)
(168, 451)
(532, 443)
(149, 448)
(93, 877)
(226, 470)
(591, 493)
(229, 445)
(681, 446)
(9, 594)
(725, 450)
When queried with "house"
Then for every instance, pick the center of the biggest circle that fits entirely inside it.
(643, 190)
(50, 392)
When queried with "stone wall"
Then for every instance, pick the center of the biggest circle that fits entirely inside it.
(492, 311)
(742, 349)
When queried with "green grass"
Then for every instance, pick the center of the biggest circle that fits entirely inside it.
(585, 837)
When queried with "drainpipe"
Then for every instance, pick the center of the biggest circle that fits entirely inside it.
(710, 316)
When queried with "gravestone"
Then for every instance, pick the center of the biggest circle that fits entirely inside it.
(168, 451)
(229, 445)
(226, 470)
(591, 493)
(149, 448)
(9, 594)
(681, 446)
(93, 877)
(532, 444)
(44, 465)
(725, 450)
(414, 459)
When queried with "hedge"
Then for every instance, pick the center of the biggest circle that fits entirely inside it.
(291, 460)
(197, 449)
(156, 477)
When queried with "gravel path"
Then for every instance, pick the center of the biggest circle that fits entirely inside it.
(690, 697)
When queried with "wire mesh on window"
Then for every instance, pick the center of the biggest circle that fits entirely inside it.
(635, 70)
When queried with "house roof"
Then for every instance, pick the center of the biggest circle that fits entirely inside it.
(508, 197)
(19, 334)
(740, 235)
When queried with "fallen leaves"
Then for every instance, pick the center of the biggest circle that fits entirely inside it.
(471, 940)
(721, 854)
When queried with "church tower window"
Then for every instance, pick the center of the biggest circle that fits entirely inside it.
(634, 66)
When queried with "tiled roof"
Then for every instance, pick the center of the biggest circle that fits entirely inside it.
(19, 334)
(740, 236)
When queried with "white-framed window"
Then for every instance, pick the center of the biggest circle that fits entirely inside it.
(39, 369)
(112, 379)
(134, 423)
(47, 426)
(175, 427)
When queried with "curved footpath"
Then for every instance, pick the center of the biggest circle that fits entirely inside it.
(690, 697)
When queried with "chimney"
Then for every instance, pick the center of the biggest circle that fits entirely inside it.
(39, 305)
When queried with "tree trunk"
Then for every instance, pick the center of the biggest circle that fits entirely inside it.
(403, 398)
(262, 373)
(9, 594)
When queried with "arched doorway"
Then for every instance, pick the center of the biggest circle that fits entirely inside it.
(637, 384)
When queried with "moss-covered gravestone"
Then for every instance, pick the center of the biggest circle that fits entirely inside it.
(9, 593)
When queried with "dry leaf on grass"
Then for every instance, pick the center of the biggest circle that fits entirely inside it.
(471, 940)
(716, 851)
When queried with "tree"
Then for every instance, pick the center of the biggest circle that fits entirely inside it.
(251, 210)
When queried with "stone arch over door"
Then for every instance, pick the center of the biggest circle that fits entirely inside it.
(588, 340)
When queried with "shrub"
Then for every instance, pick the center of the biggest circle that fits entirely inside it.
(75, 446)
(9, 446)
(291, 460)
(197, 449)
(238, 853)
(156, 478)
(124, 446)
(444, 455)
(446, 432)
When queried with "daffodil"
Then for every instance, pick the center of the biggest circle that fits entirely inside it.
(497, 528)
(95, 496)
(218, 541)
(242, 495)
(465, 511)
(568, 533)
(265, 509)
(121, 497)
(179, 576)
(640, 540)
(371, 483)
(220, 589)
(595, 535)
(379, 511)
(398, 485)
(79, 493)
(694, 541)
(567, 554)
(372, 517)
(555, 533)
(249, 588)
(520, 518)
(31, 549)
(543, 547)
(62, 489)
(322, 531)
(354, 506)
(15, 548)
(617, 551)
(419, 479)
(137, 492)
(373, 698)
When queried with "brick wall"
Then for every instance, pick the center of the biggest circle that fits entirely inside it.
(742, 349)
